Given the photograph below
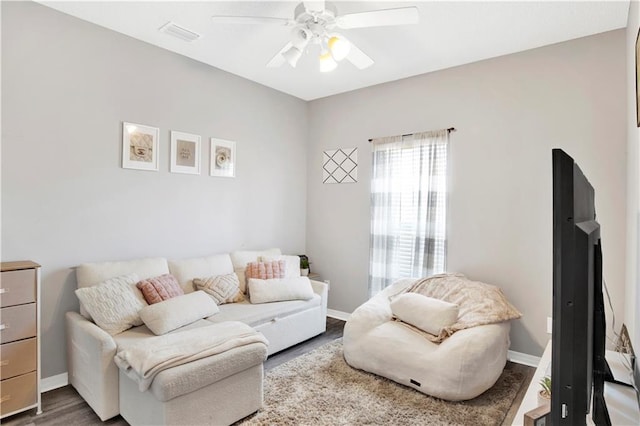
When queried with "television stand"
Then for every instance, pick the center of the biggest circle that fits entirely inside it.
(621, 400)
(620, 397)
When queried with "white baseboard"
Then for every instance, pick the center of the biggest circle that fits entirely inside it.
(338, 314)
(524, 359)
(54, 382)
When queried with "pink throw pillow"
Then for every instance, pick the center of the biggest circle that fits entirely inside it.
(160, 288)
(266, 270)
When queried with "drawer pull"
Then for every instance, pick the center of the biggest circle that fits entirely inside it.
(4, 290)
(3, 326)
(4, 362)
(5, 398)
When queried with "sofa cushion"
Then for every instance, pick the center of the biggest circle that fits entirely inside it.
(176, 312)
(195, 375)
(255, 315)
(426, 313)
(222, 288)
(160, 288)
(240, 258)
(113, 304)
(276, 290)
(90, 274)
(185, 270)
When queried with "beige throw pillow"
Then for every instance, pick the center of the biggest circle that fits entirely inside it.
(222, 288)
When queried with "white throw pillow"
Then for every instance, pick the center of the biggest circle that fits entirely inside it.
(178, 311)
(427, 314)
(90, 274)
(292, 264)
(280, 289)
(114, 304)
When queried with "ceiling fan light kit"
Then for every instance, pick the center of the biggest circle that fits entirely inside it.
(292, 56)
(314, 23)
(339, 47)
(327, 63)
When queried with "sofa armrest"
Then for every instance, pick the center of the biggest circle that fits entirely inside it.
(91, 369)
(322, 289)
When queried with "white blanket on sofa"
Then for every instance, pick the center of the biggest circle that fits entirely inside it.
(142, 362)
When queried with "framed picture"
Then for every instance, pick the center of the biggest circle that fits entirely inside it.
(540, 416)
(185, 153)
(638, 77)
(223, 158)
(139, 146)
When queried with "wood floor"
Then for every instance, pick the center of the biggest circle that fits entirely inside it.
(64, 406)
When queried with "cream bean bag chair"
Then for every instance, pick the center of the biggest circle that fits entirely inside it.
(457, 359)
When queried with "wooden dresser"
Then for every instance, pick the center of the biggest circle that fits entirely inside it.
(19, 337)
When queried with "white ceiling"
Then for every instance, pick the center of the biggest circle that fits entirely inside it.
(449, 34)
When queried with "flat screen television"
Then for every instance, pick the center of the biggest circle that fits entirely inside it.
(578, 364)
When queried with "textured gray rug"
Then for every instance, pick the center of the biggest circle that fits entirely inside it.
(319, 388)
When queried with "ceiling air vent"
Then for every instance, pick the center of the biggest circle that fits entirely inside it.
(176, 30)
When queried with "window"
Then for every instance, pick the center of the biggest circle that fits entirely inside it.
(408, 207)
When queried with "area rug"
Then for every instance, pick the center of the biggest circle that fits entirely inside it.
(320, 388)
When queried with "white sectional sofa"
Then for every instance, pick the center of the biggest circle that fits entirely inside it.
(91, 350)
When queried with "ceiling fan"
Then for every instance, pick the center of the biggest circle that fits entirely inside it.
(315, 23)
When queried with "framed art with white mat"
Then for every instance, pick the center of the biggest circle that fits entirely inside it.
(140, 146)
(185, 153)
(223, 158)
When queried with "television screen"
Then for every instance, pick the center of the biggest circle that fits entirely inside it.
(578, 336)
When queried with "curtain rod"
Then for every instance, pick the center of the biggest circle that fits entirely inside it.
(450, 129)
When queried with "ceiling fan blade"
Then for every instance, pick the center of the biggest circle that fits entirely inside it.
(314, 5)
(379, 18)
(278, 59)
(250, 20)
(358, 58)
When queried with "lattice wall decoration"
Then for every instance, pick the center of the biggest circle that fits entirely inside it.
(340, 166)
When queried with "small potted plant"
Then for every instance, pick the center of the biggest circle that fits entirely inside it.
(544, 395)
(304, 265)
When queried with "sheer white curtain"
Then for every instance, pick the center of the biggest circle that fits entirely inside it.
(408, 207)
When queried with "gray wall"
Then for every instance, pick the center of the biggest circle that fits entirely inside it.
(632, 305)
(510, 112)
(67, 86)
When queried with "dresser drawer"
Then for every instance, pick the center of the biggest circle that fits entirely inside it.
(17, 393)
(17, 322)
(17, 287)
(17, 358)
